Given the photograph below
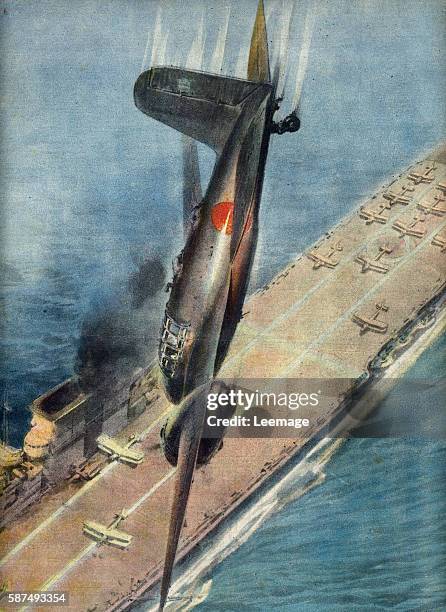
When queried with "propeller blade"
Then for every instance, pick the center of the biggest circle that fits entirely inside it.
(187, 457)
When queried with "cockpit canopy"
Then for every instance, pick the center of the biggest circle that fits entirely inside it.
(173, 337)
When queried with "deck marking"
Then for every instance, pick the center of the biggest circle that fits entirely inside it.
(363, 299)
(27, 539)
(86, 487)
(87, 550)
(334, 363)
(328, 278)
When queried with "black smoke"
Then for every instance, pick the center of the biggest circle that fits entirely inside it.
(119, 336)
(146, 282)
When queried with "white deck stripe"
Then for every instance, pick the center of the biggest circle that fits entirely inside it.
(324, 281)
(87, 550)
(86, 487)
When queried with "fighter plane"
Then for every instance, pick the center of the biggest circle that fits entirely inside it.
(374, 263)
(374, 213)
(234, 117)
(440, 240)
(372, 323)
(437, 207)
(411, 228)
(320, 259)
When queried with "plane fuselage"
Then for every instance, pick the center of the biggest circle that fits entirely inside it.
(211, 280)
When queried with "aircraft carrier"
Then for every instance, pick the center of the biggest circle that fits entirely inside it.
(344, 310)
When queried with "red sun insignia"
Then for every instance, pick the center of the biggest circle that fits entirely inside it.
(220, 213)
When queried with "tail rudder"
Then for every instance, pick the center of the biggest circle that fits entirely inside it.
(206, 106)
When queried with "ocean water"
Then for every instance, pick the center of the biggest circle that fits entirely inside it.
(372, 536)
(90, 188)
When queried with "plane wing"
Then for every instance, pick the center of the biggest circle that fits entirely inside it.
(109, 535)
(125, 454)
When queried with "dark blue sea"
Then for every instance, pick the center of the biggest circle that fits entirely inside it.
(91, 206)
(372, 536)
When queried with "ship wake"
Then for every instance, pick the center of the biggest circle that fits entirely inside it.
(191, 587)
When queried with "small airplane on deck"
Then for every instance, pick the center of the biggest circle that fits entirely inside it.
(372, 323)
(399, 198)
(437, 207)
(118, 451)
(422, 177)
(439, 240)
(108, 534)
(235, 118)
(412, 228)
(442, 187)
(375, 264)
(373, 214)
(326, 260)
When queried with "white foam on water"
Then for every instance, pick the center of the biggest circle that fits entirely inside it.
(197, 595)
(187, 590)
